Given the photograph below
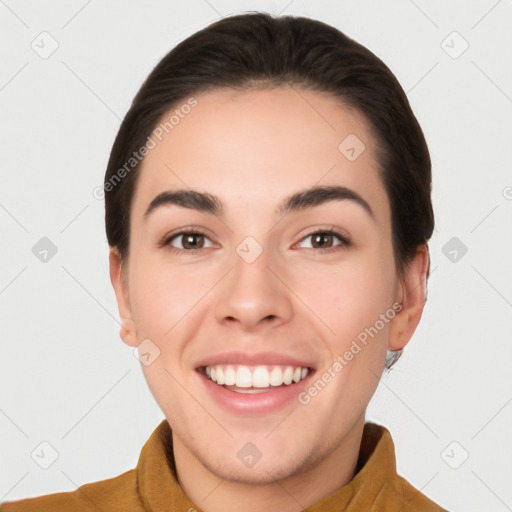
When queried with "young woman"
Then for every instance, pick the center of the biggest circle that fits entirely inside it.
(268, 211)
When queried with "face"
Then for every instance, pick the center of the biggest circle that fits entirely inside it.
(240, 272)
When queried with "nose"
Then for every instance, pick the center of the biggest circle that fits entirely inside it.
(254, 295)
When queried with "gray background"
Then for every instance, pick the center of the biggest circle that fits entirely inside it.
(66, 377)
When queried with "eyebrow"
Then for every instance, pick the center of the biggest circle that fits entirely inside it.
(299, 201)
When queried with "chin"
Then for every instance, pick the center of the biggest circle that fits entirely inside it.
(260, 474)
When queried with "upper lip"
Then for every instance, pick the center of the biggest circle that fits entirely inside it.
(253, 358)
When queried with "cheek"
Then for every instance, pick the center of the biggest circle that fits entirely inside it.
(356, 304)
(348, 297)
(165, 308)
(164, 298)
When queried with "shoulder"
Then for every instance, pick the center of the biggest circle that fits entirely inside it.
(117, 494)
(378, 479)
(412, 500)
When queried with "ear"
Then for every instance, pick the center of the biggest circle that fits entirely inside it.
(120, 283)
(413, 287)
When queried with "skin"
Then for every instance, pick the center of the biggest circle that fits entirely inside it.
(252, 150)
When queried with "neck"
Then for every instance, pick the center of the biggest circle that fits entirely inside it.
(305, 487)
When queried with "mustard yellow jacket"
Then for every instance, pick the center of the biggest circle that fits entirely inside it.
(153, 486)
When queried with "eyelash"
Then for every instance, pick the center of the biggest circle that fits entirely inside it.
(345, 242)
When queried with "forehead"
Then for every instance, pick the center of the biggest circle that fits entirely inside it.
(255, 147)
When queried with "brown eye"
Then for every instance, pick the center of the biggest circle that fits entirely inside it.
(325, 241)
(322, 240)
(192, 241)
(187, 241)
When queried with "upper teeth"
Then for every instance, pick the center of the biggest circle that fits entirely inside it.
(255, 376)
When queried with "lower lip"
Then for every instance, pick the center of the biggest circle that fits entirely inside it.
(255, 403)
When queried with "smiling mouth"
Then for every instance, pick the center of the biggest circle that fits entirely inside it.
(254, 379)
